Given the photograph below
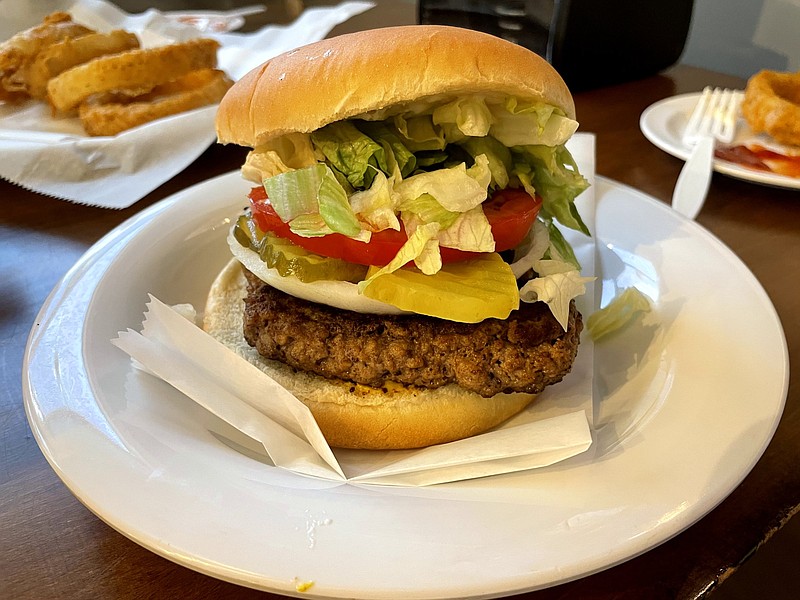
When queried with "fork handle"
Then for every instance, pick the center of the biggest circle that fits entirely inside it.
(695, 177)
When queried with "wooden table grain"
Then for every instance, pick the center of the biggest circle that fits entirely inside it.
(51, 546)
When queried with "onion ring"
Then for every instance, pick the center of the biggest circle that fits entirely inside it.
(18, 52)
(137, 71)
(196, 89)
(67, 53)
(772, 105)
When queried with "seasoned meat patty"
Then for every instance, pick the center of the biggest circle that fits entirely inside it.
(523, 353)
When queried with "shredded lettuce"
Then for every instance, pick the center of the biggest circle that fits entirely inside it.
(415, 247)
(559, 248)
(553, 174)
(558, 280)
(395, 150)
(531, 249)
(310, 225)
(426, 209)
(294, 193)
(617, 313)
(499, 157)
(374, 207)
(470, 232)
(458, 188)
(308, 192)
(521, 124)
(556, 290)
(279, 155)
(420, 133)
(334, 207)
(352, 153)
(470, 115)
(262, 163)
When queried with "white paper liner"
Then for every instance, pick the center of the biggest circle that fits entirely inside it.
(557, 426)
(53, 156)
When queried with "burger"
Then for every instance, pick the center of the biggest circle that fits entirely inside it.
(400, 265)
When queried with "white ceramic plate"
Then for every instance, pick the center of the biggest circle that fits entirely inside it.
(663, 123)
(678, 427)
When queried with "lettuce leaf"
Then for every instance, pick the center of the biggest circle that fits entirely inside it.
(294, 193)
(395, 150)
(419, 132)
(553, 174)
(279, 155)
(367, 176)
(556, 290)
(426, 209)
(499, 157)
(470, 115)
(532, 248)
(309, 192)
(334, 207)
(411, 250)
(352, 153)
(310, 225)
(374, 207)
(617, 313)
(457, 189)
(519, 124)
(470, 232)
(559, 248)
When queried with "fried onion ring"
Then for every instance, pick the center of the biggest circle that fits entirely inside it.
(65, 54)
(196, 89)
(18, 52)
(135, 71)
(772, 105)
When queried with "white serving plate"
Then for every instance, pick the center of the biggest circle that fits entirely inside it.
(678, 425)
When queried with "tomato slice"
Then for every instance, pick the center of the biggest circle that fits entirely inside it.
(510, 213)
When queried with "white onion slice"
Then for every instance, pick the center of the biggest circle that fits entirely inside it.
(340, 294)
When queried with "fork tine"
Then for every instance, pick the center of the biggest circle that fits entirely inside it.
(714, 115)
(719, 115)
(693, 126)
(727, 120)
(708, 119)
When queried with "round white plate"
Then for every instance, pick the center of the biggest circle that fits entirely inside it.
(663, 123)
(678, 426)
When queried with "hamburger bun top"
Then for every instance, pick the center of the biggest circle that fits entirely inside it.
(343, 77)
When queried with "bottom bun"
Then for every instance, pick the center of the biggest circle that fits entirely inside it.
(353, 415)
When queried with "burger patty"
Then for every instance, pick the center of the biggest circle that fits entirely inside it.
(524, 353)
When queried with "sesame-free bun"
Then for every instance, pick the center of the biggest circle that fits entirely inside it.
(357, 416)
(350, 75)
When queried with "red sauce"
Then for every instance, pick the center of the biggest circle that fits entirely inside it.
(760, 159)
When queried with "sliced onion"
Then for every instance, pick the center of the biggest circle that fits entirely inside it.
(340, 294)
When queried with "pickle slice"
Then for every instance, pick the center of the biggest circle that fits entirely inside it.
(291, 260)
(247, 234)
(468, 291)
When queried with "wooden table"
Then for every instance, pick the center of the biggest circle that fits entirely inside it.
(52, 546)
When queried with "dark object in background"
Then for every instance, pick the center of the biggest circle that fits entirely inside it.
(592, 43)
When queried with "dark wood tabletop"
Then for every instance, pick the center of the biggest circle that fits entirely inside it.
(51, 546)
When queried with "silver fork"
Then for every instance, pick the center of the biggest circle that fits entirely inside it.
(714, 118)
